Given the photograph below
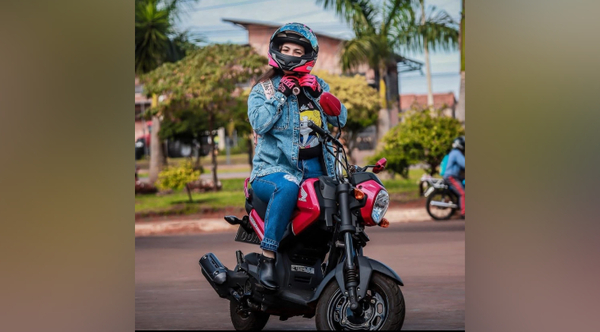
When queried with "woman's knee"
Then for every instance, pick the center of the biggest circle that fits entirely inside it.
(287, 188)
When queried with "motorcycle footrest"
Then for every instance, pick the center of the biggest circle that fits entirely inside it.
(233, 220)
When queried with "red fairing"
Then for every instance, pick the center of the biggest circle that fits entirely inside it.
(371, 188)
(257, 223)
(308, 207)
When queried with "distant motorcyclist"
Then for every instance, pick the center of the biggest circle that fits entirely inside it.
(455, 170)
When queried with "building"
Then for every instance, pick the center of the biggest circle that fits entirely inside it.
(330, 47)
(445, 101)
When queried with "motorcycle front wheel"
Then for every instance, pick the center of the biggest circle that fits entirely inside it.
(382, 308)
(440, 212)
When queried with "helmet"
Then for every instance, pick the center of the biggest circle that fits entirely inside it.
(459, 143)
(296, 33)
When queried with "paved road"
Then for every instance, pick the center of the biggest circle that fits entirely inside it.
(171, 293)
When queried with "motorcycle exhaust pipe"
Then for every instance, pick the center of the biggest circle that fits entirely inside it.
(213, 268)
(444, 204)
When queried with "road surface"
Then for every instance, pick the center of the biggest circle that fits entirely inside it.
(171, 293)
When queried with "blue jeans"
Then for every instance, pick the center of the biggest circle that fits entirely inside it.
(281, 192)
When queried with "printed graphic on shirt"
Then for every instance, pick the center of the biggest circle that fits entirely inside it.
(308, 138)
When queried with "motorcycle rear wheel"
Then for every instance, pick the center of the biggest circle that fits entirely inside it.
(383, 307)
(437, 212)
(247, 321)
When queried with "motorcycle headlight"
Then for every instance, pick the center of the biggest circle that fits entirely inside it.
(382, 201)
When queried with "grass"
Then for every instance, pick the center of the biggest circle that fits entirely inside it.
(400, 185)
(232, 196)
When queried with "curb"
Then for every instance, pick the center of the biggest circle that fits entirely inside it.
(153, 228)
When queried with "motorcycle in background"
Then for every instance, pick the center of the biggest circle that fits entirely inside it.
(442, 202)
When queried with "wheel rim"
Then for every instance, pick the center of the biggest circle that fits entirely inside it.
(440, 211)
(375, 310)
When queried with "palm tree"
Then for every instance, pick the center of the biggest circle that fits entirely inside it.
(374, 42)
(433, 30)
(157, 41)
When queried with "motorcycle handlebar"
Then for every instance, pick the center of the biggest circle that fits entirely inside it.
(325, 135)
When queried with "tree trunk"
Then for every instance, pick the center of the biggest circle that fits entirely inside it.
(165, 149)
(197, 163)
(460, 108)
(391, 89)
(433, 169)
(213, 151)
(460, 112)
(377, 78)
(189, 192)
(427, 63)
(156, 151)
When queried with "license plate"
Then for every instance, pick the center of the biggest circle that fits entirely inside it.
(429, 191)
(243, 236)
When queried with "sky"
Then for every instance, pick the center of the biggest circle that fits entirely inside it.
(205, 19)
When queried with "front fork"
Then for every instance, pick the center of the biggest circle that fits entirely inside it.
(347, 229)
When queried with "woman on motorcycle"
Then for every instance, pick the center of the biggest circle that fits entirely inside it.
(287, 151)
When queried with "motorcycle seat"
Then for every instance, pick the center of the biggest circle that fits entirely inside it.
(253, 202)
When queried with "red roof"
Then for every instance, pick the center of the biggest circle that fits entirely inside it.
(439, 100)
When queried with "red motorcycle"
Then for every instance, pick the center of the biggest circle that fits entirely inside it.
(320, 264)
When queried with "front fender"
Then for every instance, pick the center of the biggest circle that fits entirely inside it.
(366, 266)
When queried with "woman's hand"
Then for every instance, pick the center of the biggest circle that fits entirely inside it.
(287, 84)
(311, 85)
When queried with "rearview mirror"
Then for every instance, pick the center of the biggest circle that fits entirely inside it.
(380, 165)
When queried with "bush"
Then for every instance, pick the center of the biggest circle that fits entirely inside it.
(423, 136)
(177, 178)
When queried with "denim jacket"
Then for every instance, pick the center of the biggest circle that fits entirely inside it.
(277, 122)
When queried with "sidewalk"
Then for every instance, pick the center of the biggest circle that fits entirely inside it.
(150, 228)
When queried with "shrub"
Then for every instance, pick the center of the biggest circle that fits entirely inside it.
(177, 177)
(423, 136)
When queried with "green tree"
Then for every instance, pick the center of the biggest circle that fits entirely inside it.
(361, 101)
(156, 39)
(156, 42)
(374, 42)
(205, 82)
(433, 30)
(423, 136)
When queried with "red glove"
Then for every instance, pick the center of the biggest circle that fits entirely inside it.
(330, 104)
(287, 84)
(311, 84)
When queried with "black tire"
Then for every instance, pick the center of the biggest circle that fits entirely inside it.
(440, 213)
(250, 321)
(382, 290)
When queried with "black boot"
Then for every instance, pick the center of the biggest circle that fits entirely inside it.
(266, 272)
